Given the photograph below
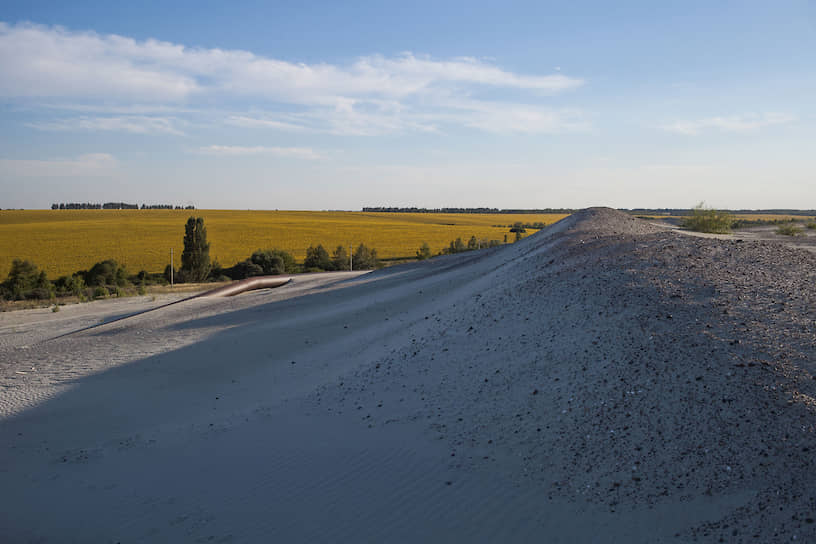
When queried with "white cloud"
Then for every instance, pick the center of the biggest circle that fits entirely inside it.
(734, 123)
(131, 124)
(92, 164)
(233, 150)
(371, 95)
(501, 118)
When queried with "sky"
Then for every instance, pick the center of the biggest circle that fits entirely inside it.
(340, 105)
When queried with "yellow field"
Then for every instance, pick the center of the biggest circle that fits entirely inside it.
(64, 241)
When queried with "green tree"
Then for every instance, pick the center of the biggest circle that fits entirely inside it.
(22, 278)
(365, 258)
(317, 257)
(274, 261)
(195, 259)
(473, 243)
(107, 272)
(25, 281)
(340, 259)
(424, 252)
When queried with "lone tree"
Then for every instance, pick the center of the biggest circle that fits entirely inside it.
(195, 259)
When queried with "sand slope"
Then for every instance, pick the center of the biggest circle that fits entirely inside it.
(602, 381)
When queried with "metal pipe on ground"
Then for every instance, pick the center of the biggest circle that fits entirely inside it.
(248, 284)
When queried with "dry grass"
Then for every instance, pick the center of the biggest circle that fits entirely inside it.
(64, 241)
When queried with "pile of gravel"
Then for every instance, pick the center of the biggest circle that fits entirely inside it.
(618, 364)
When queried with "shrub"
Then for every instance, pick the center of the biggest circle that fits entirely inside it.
(216, 271)
(788, 230)
(245, 269)
(274, 261)
(456, 246)
(340, 260)
(811, 225)
(107, 272)
(69, 285)
(22, 279)
(365, 258)
(100, 292)
(424, 252)
(317, 257)
(704, 219)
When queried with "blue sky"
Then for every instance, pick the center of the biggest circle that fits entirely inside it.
(330, 105)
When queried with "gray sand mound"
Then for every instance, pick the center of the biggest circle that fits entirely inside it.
(622, 365)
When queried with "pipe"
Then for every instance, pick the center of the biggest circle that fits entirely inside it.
(248, 284)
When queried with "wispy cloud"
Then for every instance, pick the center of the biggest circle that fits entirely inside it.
(234, 150)
(91, 164)
(734, 123)
(371, 95)
(131, 124)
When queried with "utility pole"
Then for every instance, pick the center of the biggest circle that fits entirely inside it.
(171, 267)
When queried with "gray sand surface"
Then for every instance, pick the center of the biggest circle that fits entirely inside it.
(605, 380)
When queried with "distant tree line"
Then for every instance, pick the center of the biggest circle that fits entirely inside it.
(116, 206)
(538, 225)
(465, 210)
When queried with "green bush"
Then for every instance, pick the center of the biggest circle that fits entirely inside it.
(69, 285)
(274, 261)
(317, 257)
(365, 258)
(107, 272)
(100, 292)
(245, 269)
(424, 252)
(704, 219)
(456, 246)
(811, 225)
(26, 282)
(788, 230)
(340, 259)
